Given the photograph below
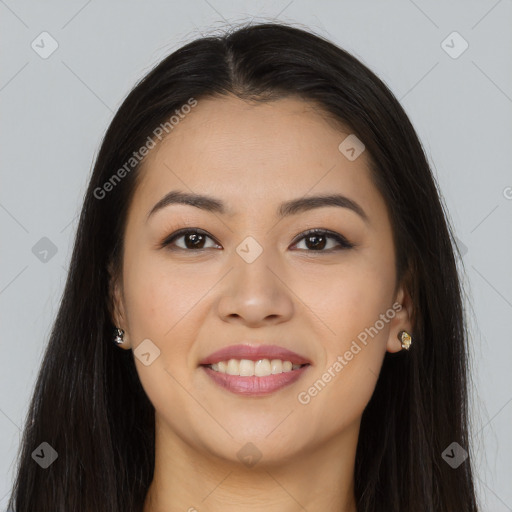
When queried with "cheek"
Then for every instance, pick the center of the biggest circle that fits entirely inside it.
(345, 378)
(356, 305)
(160, 294)
(349, 297)
(161, 305)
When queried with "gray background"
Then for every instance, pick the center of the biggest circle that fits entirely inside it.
(55, 111)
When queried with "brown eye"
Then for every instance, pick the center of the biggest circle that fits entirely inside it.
(317, 239)
(192, 239)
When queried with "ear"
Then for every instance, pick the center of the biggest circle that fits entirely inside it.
(116, 304)
(403, 319)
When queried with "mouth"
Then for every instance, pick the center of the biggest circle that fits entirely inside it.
(250, 370)
(253, 385)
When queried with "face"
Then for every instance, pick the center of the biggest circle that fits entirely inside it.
(247, 275)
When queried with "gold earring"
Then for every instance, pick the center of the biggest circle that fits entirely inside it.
(405, 339)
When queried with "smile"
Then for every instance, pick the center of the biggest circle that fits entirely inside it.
(254, 378)
(248, 368)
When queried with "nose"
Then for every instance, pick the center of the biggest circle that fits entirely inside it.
(256, 293)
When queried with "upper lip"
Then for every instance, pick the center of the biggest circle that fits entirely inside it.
(254, 353)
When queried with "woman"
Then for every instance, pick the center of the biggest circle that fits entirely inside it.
(262, 310)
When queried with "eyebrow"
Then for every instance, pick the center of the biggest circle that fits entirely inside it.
(292, 207)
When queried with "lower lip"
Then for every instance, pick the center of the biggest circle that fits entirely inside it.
(255, 386)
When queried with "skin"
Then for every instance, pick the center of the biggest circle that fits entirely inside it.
(254, 156)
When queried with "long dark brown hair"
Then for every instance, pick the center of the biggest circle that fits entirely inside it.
(88, 402)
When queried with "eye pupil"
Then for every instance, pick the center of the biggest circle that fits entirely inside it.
(316, 244)
(195, 239)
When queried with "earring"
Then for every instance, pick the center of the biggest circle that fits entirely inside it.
(405, 339)
(119, 333)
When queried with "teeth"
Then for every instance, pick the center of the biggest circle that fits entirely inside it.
(248, 368)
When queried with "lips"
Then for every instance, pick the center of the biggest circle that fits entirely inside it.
(255, 386)
(254, 353)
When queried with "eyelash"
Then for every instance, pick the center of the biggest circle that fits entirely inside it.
(344, 243)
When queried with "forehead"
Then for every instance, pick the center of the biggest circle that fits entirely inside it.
(255, 155)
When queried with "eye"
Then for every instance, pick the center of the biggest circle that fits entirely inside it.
(194, 239)
(316, 240)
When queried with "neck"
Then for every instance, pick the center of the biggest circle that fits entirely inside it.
(187, 478)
